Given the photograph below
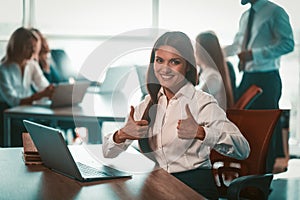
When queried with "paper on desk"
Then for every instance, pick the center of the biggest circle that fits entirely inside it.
(130, 161)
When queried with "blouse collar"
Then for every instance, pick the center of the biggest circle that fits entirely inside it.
(187, 90)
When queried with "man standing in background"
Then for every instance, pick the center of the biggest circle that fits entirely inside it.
(264, 35)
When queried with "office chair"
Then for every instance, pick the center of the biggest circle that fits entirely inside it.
(63, 65)
(245, 101)
(249, 176)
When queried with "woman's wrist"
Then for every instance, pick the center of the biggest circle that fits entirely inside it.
(200, 133)
(117, 138)
(34, 97)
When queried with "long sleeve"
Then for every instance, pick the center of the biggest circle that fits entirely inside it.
(10, 85)
(221, 134)
(281, 40)
(39, 81)
(110, 148)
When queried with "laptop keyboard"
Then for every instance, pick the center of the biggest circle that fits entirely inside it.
(90, 171)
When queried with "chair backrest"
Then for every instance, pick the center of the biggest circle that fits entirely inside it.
(245, 101)
(63, 64)
(257, 126)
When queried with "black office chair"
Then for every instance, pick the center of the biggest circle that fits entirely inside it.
(63, 64)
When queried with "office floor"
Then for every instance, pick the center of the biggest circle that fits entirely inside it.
(292, 151)
(293, 170)
(294, 148)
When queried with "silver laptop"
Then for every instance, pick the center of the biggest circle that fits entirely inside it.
(115, 79)
(56, 155)
(65, 95)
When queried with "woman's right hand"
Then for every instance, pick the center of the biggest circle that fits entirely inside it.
(48, 91)
(133, 130)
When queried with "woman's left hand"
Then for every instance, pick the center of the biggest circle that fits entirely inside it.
(188, 128)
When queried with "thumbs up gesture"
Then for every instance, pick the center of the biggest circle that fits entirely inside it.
(188, 128)
(133, 130)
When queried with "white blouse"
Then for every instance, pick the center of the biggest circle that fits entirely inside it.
(174, 154)
(211, 81)
(14, 87)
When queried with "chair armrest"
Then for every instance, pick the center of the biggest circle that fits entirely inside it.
(260, 182)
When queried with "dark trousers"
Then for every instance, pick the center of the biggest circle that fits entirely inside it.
(201, 180)
(271, 84)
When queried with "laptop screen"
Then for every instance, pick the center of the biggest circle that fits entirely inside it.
(115, 79)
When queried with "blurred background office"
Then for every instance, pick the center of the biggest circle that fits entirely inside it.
(78, 27)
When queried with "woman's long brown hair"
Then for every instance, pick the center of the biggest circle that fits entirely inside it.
(20, 39)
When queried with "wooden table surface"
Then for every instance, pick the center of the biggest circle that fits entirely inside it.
(20, 181)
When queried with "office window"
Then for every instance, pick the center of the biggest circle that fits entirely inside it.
(92, 17)
(10, 19)
(81, 26)
(201, 15)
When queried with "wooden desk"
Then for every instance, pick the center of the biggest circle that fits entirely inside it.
(19, 181)
(94, 110)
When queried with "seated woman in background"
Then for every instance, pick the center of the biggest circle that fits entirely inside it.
(214, 77)
(43, 57)
(19, 73)
(177, 125)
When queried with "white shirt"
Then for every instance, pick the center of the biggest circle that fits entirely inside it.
(174, 154)
(14, 87)
(271, 37)
(211, 81)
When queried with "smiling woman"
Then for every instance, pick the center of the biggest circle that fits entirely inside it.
(176, 125)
